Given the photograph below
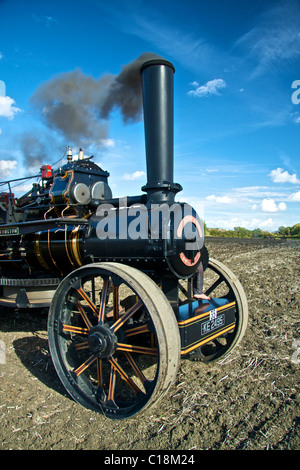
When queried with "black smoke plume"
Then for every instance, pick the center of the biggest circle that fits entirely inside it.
(78, 106)
(125, 91)
(33, 149)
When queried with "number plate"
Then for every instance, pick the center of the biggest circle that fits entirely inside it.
(9, 231)
(213, 324)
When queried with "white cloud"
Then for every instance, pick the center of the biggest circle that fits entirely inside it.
(47, 20)
(2, 88)
(7, 166)
(7, 107)
(219, 199)
(295, 196)
(254, 194)
(183, 46)
(108, 142)
(282, 206)
(269, 205)
(266, 223)
(250, 224)
(295, 117)
(211, 87)
(133, 176)
(22, 188)
(281, 176)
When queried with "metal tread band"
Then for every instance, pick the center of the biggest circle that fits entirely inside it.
(29, 282)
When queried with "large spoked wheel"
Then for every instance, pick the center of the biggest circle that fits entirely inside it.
(221, 283)
(113, 339)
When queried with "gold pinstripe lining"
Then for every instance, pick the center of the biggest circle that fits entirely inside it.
(197, 318)
(207, 339)
(75, 246)
(38, 252)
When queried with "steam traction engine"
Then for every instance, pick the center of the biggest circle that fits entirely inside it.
(122, 313)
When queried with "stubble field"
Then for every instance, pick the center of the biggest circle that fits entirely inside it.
(248, 400)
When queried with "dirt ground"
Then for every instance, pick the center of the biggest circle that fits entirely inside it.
(249, 400)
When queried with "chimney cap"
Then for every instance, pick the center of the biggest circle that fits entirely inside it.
(157, 61)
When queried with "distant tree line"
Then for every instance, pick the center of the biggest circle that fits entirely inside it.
(241, 232)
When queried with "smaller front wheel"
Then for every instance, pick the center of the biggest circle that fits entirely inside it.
(113, 338)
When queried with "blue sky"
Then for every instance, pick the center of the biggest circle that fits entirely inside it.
(237, 117)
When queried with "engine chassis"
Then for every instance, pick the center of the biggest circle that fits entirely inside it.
(121, 311)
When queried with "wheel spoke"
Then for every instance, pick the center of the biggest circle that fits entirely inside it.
(93, 291)
(116, 306)
(183, 290)
(136, 349)
(103, 301)
(119, 323)
(74, 329)
(112, 384)
(99, 372)
(88, 300)
(85, 365)
(135, 367)
(80, 346)
(124, 376)
(137, 330)
(84, 316)
(214, 286)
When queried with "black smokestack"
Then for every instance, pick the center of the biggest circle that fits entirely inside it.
(158, 101)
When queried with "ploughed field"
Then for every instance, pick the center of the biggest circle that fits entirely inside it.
(248, 400)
